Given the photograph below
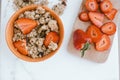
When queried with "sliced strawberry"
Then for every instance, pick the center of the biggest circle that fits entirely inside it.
(21, 47)
(83, 16)
(98, 1)
(96, 18)
(109, 28)
(111, 15)
(94, 32)
(26, 25)
(106, 6)
(91, 5)
(51, 36)
(103, 44)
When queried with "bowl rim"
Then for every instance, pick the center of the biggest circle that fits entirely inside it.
(9, 27)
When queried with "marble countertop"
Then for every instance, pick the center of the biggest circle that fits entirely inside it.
(63, 65)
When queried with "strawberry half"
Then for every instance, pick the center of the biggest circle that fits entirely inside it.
(111, 15)
(81, 41)
(91, 5)
(106, 6)
(103, 44)
(109, 28)
(94, 32)
(83, 16)
(21, 47)
(26, 25)
(96, 18)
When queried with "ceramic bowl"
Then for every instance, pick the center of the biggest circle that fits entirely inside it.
(9, 33)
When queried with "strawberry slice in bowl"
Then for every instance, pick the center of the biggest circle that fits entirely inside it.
(21, 47)
(26, 25)
(51, 36)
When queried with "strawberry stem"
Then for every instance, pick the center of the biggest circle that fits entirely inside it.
(86, 46)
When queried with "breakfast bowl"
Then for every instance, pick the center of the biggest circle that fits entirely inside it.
(34, 33)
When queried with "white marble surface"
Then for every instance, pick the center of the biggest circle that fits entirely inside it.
(62, 66)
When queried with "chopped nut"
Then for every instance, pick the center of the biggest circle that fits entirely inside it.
(53, 25)
(52, 46)
(59, 8)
